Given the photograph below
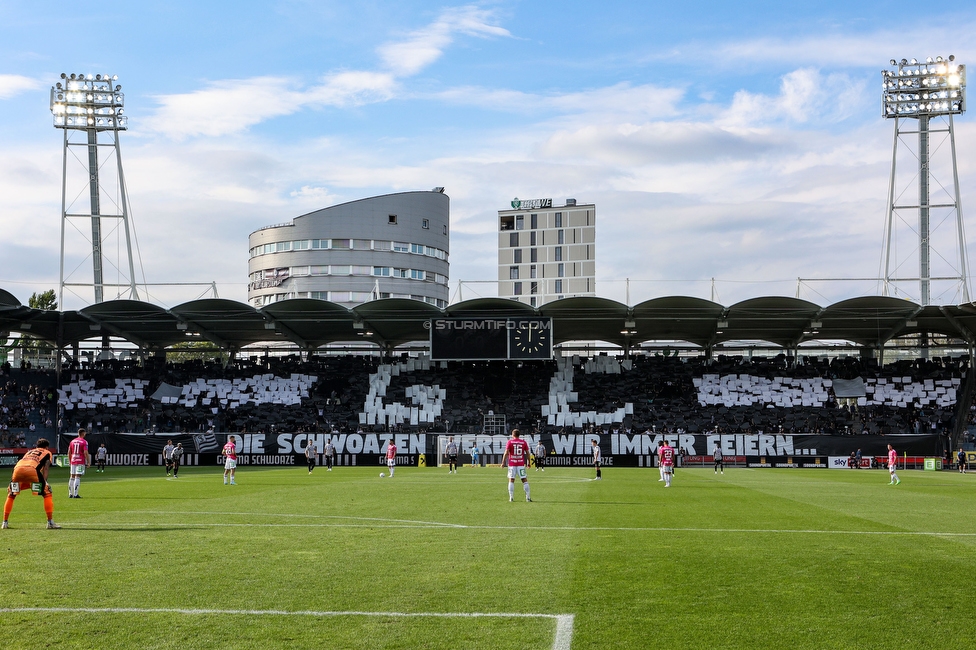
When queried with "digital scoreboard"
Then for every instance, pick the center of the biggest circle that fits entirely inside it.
(473, 339)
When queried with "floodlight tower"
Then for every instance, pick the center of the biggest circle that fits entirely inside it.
(93, 105)
(914, 94)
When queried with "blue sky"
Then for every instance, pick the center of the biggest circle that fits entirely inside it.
(737, 141)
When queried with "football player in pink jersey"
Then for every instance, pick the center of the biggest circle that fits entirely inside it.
(230, 459)
(78, 460)
(391, 450)
(517, 456)
(893, 466)
(666, 455)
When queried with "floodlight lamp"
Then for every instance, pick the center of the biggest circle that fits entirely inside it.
(952, 57)
(893, 62)
(929, 60)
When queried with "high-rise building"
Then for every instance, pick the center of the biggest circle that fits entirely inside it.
(546, 253)
(390, 246)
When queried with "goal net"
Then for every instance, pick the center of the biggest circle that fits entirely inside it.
(465, 444)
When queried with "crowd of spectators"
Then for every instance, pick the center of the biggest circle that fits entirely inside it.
(28, 406)
(661, 391)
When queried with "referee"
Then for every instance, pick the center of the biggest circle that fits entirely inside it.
(719, 460)
(540, 456)
(597, 457)
(452, 453)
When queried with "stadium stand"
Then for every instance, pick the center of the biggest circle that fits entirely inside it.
(727, 394)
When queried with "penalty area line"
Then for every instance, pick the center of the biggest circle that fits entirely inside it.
(562, 640)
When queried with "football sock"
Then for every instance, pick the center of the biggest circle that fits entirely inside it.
(525, 486)
(7, 507)
(48, 506)
(598, 474)
(511, 490)
(391, 471)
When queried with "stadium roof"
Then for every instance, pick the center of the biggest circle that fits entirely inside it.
(784, 322)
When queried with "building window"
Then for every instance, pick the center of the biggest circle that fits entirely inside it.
(445, 229)
(400, 273)
(534, 287)
(518, 255)
(558, 253)
(517, 290)
(561, 237)
(513, 239)
(283, 246)
(425, 224)
(534, 221)
(513, 273)
(532, 238)
(560, 270)
(382, 270)
(362, 244)
(559, 220)
(341, 243)
(532, 301)
(532, 271)
(401, 247)
(393, 220)
(520, 222)
(533, 254)
(559, 286)
(416, 274)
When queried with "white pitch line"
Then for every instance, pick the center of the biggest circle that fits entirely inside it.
(434, 524)
(573, 529)
(562, 641)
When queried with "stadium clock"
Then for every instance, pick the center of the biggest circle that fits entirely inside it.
(531, 339)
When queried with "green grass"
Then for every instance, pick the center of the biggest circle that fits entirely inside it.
(754, 558)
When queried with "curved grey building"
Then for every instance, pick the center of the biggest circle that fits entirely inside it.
(390, 246)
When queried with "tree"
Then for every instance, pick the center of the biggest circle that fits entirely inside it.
(48, 300)
(204, 350)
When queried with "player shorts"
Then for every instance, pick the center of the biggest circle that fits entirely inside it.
(452, 459)
(24, 477)
(517, 472)
(230, 463)
(391, 462)
(667, 469)
(77, 470)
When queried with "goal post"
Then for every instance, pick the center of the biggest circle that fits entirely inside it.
(465, 443)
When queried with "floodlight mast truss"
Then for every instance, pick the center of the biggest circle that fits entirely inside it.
(922, 90)
(93, 104)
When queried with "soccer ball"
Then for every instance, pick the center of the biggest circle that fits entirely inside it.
(382, 474)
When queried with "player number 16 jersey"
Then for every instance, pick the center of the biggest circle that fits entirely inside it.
(518, 452)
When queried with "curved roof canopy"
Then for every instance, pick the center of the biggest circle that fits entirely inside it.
(782, 321)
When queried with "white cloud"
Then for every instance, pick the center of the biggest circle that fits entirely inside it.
(842, 49)
(225, 107)
(232, 106)
(608, 102)
(12, 85)
(806, 95)
(424, 46)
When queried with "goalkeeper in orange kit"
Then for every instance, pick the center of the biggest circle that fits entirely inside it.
(30, 472)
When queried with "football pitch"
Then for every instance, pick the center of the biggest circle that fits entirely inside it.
(345, 559)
